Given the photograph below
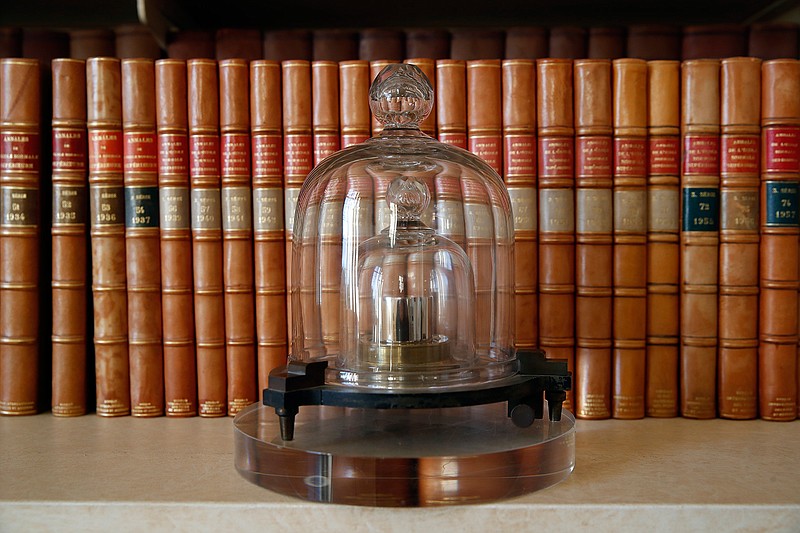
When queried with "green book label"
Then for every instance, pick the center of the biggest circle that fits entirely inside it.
(141, 207)
(700, 209)
(781, 208)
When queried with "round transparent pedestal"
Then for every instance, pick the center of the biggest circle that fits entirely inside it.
(403, 458)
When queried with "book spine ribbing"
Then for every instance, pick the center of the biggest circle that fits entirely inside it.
(451, 102)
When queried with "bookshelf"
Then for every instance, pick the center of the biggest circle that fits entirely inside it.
(653, 474)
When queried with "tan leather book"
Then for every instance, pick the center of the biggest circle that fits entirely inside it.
(654, 42)
(19, 235)
(93, 42)
(325, 108)
(740, 140)
(191, 44)
(284, 45)
(431, 43)
(206, 223)
(606, 42)
(485, 112)
(527, 42)
(136, 40)
(107, 211)
(237, 233)
(663, 230)
(773, 40)
(334, 45)
(780, 171)
(428, 67)
(269, 248)
(238, 43)
(713, 41)
(451, 102)
(387, 44)
(375, 68)
(519, 173)
(298, 145)
(556, 171)
(699, 236)
(468, 44)
(142, 237)
(567, 42)
(354, 81)
(177, 286)
(594, 223)
(69, 238)
(630, 237)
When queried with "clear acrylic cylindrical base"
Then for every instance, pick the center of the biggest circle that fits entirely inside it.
(403, 457)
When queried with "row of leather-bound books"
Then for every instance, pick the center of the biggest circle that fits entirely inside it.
(655, 212)
(768, 40)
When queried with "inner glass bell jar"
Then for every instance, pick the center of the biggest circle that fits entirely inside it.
(402, 259)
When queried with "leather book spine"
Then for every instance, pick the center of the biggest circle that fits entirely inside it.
(142, 237)
(382, 44)
(334, 45)
(773, 40)
(285, 45)
(713, 41)
(519, 174)
(556, 175)
(606, 42)
(663, 230)
(375, 68)
(269, 247)
(69, 238)
(630, 237)
(354, 80)
(567, 42)
(469, 44)
(238, 43)
(485, 112)
(298, 145)
(527, 42)
(206, 224)
(594, 222)
(451, 102)
(428, 67)
(325, 108)
(94, 42)
(136, 41)
(431, 43)
(191, 44)
(699, 236)
(237, 233)
(654, 42)
(177, 286)
(479, 233)
(107, 212)
(780, 172)
(740, 140)
(19, 235)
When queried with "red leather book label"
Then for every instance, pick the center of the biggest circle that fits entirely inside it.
(556, 157)
(740, 154)
(664, 157)
(298, 156)
(236, 208)
(20, 207)
(19, 152)
(781, 203)
(523, 207)
(173, 154)
(235, 154)
(174, 208)
(593, 156)
(105, 151)
(69, 205)
(204, 156)
(489, 148)
(556, 211)
(454, 139)
(701, 155)
(69, 149)
(205, 209)
(141, 207)
(594, 211)
(325, 144)
(520, 157)
(107, 205)
(350, 139)
(268, 209)
(630, 157)
(141, 152)
(267, 155)
(781, 146)
(738, 210)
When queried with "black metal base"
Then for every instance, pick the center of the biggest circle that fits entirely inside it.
(537, 379)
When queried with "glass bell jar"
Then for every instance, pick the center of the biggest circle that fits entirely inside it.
(402, 261)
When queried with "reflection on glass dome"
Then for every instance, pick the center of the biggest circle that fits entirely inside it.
(403, 256)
